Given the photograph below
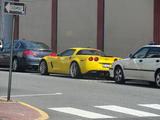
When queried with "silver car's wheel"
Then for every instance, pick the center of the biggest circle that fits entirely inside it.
(74, 70)
(118, 75)
(157, 79)
(43, 68)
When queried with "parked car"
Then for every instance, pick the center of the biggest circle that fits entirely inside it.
(142, 65)
(77, 62)
(26, 54)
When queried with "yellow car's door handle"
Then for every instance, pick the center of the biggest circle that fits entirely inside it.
(81, 60)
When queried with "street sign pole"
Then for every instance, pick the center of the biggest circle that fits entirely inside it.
(12, 8)
(2, 22)
(11, 60)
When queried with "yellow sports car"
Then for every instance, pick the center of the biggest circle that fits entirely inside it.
(77, 62)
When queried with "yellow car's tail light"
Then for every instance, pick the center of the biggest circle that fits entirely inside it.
(96, 59)
(115, 60)
(90, 58)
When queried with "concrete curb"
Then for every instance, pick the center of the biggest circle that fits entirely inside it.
(43, 114)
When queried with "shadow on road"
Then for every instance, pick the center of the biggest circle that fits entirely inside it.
(135, 83)
(26, 71)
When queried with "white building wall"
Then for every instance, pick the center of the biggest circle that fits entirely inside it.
(128, 25)
(77, 23)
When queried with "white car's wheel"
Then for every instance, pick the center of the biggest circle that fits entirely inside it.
(43, 68)
(75, 70)
(157, 79)
(118, 75)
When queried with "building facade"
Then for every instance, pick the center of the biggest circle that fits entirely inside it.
(118, 27)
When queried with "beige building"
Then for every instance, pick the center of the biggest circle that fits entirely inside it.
(116, 26)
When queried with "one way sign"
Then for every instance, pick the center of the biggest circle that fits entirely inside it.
(15, 8)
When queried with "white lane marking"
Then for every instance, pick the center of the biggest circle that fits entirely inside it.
(153, 106)
(81, 113)
(33, 95)
(128, 111)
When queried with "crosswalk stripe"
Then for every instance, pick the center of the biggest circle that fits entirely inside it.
(128, 111)
(153, 106)
(81, 113)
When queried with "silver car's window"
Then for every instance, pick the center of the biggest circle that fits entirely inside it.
(141, 53)
(154, 52)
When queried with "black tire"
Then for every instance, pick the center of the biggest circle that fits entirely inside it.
(43, 68)
(75, 70)
(157, 79)
(107, 76)
(15, 65)
(118, 75)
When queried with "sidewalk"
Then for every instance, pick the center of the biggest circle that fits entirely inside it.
(13, 110)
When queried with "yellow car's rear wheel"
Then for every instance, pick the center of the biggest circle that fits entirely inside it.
(75, 70)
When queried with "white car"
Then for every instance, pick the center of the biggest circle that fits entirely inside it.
(143, 65)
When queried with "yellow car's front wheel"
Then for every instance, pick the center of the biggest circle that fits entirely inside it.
(43, 68)
(75, 70)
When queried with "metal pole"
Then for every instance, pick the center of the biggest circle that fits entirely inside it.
(11, 56)
(2, 20)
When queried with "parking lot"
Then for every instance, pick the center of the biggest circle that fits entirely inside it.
(66, 98)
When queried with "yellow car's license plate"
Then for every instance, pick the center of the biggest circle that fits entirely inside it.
(105, 65)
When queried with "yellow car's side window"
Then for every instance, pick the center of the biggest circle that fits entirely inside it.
(67, 52)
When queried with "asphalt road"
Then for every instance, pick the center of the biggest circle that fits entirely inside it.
(64, 98)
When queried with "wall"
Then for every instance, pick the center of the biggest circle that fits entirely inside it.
(77, 23)
(36, 25)
(128, 25)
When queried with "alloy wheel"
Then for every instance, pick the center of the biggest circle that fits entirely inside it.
(15, 65)
(74, 70)
(118, 75)
(158, 79)
(43, 68)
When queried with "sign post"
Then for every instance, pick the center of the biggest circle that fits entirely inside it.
(11, 60)
(13, 8)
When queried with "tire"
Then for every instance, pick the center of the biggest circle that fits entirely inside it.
(157, 79)
(75, 70)
(43, 68)
(15, 65)
(118, 75)
(107, 76)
